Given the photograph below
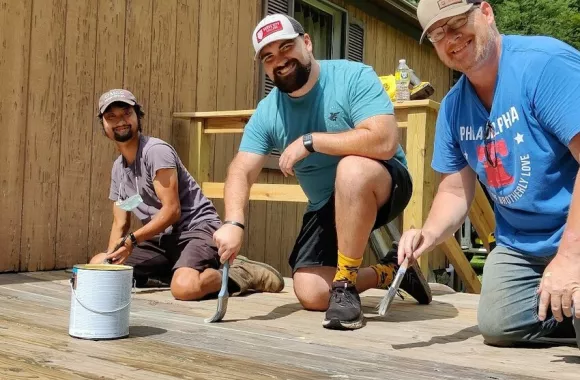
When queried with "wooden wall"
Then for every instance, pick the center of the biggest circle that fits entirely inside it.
(57, 57)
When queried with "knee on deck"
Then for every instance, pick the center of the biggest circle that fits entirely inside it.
(314, 299)
(186, 288)
(315, 303)
(497, 329)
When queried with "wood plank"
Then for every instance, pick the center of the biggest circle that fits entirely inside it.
(370, 41)
(461, 265)
(262, 336)
(207, 75)
(221, 131)
(207, 80)
(163, 52)
(203, 149)
(382, 64)
(290, 229)
(226, 87)
(481, 216)
(275, 192)
(415, 213)
(213, 114)
(250, 11)
(248, 112)
(109, 70)
(15, 25)
(227, 122)
(43, 142)
(137, 65)
(257, 224)
(186, 52)
(75, 159)
(275, 254)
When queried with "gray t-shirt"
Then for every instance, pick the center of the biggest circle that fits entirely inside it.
(154, 154)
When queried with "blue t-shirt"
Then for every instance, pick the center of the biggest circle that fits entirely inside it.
(345, 94)
(535, 114)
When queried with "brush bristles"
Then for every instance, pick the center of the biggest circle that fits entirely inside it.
(386, 301)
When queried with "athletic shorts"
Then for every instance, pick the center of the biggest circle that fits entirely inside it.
(317, 243)
(160, 256)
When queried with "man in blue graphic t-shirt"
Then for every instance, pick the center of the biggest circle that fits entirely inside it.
(513, 121)
(334, 124)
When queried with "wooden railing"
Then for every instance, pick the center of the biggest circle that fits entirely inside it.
(417, 122)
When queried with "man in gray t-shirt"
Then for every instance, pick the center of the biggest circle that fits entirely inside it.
(175, 242)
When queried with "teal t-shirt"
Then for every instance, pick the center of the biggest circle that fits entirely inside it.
(346, 94)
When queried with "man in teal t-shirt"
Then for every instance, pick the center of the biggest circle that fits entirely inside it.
(334, 124)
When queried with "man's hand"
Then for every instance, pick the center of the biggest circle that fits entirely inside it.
(560, 288)
(120, 255)
(413, 243)
(228, 239)
(291, 155)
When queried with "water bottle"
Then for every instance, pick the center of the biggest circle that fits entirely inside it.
(402, 80)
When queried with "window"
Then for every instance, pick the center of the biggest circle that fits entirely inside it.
(325, 23)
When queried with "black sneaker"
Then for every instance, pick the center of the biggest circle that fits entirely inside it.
(414, 283)
(344, 311)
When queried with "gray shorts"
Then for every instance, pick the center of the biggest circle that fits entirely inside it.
(160, 256)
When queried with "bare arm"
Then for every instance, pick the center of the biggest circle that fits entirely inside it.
(451, 204)
(242, 174)
(166, 187)
(376, 137)
(121, 224)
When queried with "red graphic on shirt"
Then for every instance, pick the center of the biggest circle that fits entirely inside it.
(496, 176)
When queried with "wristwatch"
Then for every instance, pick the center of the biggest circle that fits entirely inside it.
(307, 141)
(133, 239)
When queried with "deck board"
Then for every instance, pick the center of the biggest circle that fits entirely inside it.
(263, 336)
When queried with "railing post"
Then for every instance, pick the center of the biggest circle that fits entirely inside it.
(200, 150)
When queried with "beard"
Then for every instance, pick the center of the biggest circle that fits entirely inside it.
(294, 80)
(123, 136)
(483, 49)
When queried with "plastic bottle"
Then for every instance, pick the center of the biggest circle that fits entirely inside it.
(402, 80)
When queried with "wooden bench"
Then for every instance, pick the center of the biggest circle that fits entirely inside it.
(417, 122)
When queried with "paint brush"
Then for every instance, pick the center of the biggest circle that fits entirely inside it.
(390, 295)
(222, 296)
(122, 243)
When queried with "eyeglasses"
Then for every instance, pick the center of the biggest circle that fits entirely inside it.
(453, 23)
(490, 142)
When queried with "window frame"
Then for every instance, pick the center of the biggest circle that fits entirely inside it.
(339, 16)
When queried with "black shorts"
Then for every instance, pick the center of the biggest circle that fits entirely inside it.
(158, 257)
(317, 243)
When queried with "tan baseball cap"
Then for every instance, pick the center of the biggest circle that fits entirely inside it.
(116, 95)
(431, 11)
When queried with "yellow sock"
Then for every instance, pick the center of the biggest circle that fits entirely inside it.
(347, 268)
(385, 275)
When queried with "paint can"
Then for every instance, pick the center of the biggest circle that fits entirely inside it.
(100, 301)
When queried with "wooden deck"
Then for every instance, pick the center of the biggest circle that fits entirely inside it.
(263, 336)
